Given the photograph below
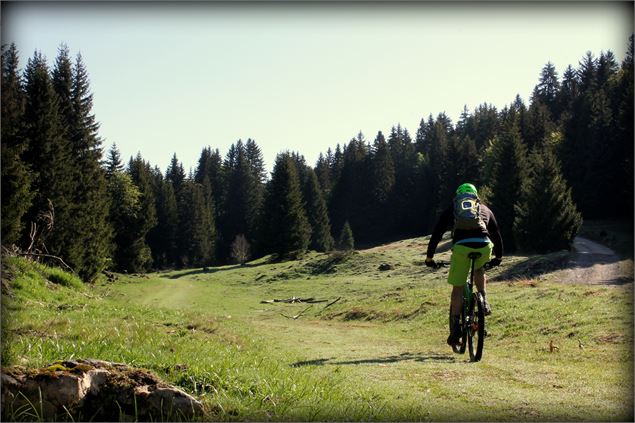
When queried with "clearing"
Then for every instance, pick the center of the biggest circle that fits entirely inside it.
(556, 350)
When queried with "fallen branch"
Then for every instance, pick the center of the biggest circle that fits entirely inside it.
(48, 256)
(297, 315)
(329, 304)
(292, 300)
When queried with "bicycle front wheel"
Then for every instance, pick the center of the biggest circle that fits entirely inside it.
(476, 329)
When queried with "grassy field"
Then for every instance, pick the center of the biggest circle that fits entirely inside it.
(378, 353)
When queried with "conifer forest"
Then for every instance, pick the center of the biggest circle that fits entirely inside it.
(542, 165)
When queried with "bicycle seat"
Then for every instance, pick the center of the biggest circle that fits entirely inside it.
(474, 255)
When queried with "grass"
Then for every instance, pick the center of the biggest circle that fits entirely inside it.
(378, 353)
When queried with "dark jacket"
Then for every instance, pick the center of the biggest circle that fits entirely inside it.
(446, 221)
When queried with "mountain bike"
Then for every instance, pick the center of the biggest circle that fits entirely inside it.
(472, 318)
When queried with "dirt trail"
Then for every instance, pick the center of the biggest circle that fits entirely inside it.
(593, 263)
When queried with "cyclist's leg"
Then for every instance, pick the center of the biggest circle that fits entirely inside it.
(459, 269)
(479, 273)
(480, 279)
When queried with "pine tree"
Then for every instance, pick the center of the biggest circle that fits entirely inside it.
(113, 162)
(623, 95)
(323, 172)
(568, 93)
(16, 174)
(403, 154)
(210, 166)
(317, 214)
(49, 155)
(195, 239)
(437, 163)
(141, 174)
(381, 183)
(538, 124)
(175, 174)
(508, 176)
(162, 238)
(547, 90)
(286, 230)
(130, 253)
(546, 218)
(348, 197)
(240, 207)
(346, 241)
(89, 237)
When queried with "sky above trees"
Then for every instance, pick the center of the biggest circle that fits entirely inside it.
(169, 77)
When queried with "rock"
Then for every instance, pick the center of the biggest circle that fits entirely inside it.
(385, 266)
(93, 389)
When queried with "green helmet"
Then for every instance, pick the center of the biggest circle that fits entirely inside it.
(466, 189)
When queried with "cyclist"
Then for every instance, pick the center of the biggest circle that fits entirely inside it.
(474, 229)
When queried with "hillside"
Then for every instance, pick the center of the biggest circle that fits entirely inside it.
(377, 353)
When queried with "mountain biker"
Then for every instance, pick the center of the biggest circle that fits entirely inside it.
(474, 229)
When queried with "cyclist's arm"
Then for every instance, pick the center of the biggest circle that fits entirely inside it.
(495, 236)
(445, 220)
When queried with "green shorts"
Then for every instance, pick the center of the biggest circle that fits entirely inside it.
(460, 264)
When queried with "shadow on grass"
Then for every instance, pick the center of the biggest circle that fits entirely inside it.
(407, 356)
(210, 270)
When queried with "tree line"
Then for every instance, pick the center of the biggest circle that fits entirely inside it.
(540, 166)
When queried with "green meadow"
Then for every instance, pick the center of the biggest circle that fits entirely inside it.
(372, 347)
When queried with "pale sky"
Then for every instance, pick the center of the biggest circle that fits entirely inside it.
(173, 77)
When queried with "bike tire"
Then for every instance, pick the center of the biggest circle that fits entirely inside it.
(477, 329)
(460, 348)
(463, 344)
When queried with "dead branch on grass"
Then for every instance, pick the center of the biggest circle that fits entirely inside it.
(297, 315)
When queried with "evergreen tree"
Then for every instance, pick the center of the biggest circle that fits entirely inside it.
(381, 183)
(587, 72)
(547, 90)
(348, 197)
(483, 126)
(286, 230)
(437, 164)
(162, 238)
(546, 219)
(49, 155)
(508, 177)
(196, 235)
(537, 124)
(210, 167)
(175, 174)
(323, 172)
(256, 161)
(463, 163)
(89, 236)
(16, 174)
(141, 174)
(569, 92)
(317, 214)
(346, 241)
(402, 150)
(623, 95)
(240, 208)
(130, 252)
(113, 162)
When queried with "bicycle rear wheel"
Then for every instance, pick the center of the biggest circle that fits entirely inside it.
(476, 330)
(460, 348)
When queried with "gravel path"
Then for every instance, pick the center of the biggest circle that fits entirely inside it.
(593, 263)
